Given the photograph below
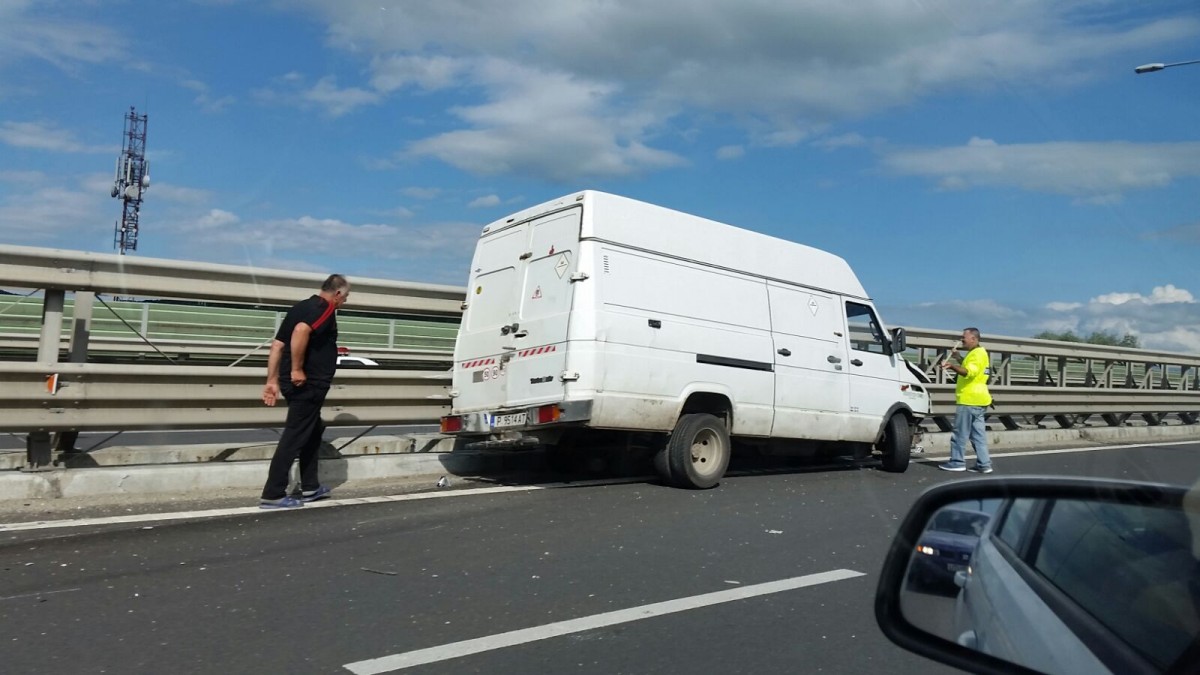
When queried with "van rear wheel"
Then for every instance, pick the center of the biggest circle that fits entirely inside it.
(697, 453)
(896, 445)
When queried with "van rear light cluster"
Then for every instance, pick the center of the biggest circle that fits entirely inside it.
(548, 413)
(452, 424)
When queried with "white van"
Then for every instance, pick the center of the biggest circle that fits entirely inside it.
(595, 312)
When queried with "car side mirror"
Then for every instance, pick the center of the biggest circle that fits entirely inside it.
(899, 341)
(1047, 575)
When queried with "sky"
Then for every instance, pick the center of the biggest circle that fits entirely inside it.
(992, 163)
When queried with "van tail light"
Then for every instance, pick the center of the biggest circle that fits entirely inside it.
(452, 424)
(548, 413)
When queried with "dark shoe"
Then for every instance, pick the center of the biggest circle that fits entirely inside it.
(981, 469)
(952, 467)
(281, 503)
(313, 495)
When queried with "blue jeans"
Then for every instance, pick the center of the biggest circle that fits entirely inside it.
(968, 421)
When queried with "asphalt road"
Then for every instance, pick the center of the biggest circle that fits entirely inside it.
(315, 590)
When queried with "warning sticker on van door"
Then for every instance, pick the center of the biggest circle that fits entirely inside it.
(560, 267)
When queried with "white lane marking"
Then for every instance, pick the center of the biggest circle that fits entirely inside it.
(328, 503)
(387, 664)
(1063, 451)
(38, 595)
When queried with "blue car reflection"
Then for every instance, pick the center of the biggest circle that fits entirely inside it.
(945, 548)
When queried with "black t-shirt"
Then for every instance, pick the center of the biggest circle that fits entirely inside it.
(320, 359)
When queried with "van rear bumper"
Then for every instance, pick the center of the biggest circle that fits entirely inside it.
(485, 421)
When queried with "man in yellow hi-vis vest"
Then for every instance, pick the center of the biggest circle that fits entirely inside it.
(972, 399)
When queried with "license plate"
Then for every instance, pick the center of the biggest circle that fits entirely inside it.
(956, 568)
(513, 420)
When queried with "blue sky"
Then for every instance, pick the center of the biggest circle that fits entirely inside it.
(985, 162)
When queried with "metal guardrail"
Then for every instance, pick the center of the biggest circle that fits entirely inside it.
(208, 351)
(1034, 379)
(29, 267)
(1066, 381)
(95, 396)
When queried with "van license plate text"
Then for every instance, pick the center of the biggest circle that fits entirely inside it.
(513, 420)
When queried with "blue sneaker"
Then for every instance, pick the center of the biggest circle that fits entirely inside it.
(952, 467)
(281, 503)
(321, 492)
(982, 469)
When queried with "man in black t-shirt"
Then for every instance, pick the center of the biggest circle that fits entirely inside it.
(301, 366)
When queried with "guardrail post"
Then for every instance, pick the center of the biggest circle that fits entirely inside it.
(37, 443)
(81, 331)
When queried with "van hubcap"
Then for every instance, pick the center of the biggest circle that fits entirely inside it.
(706, 450)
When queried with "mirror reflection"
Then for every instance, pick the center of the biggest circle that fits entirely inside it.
(1060, 585)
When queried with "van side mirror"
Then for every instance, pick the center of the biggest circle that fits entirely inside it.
(899, 341)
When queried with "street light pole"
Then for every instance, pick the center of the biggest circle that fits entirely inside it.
(1152, 67)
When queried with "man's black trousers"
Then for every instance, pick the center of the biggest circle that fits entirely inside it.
(301, 438)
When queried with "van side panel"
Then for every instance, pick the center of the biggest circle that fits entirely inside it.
(812, 385)
(670, 328)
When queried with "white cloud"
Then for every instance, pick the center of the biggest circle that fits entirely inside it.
(851, 140)
(425, 193)
(486, 201)
(784, 69)
(216, 219)
(178, 194)
(1188, 233)
(337, 102)
(22, 177)
(390, 73)
(1160, 295)
(548, 125)
(56, 215)
(204, 98)
(292, 89)
(1096, 172)
(1063, 306)
(975, 310)
(730, 152)
(54, 38)
(43, 136)
(1168, 318)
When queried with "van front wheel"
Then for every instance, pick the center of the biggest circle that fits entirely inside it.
(896, 445)
(698, 451)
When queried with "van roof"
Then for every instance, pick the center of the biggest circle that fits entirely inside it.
(621, 220)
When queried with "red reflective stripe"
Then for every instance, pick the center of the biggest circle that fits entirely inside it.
(328, 312)
(533, 351)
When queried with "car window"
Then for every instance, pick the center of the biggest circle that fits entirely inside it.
(865, 333)
(959, 522)
(1129, 567)
(1015, 521)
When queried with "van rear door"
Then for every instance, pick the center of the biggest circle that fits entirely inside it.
(511, 348)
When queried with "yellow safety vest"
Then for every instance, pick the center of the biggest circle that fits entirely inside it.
(971, 389)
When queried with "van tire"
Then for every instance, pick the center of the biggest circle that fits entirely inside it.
(662, 465)
(698, 451)
(896, 445)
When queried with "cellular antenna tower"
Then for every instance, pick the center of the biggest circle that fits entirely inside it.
(132, 180)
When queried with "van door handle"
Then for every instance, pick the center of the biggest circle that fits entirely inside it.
(784, 352)
(856, 362)
(521, 334)
(833, 359)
